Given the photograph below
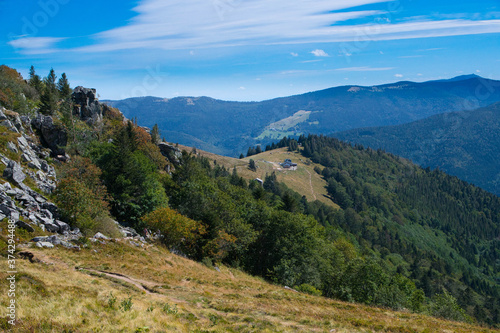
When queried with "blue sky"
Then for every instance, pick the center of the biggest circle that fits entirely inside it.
(248, 49)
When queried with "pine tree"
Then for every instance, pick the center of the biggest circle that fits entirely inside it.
(252, 166)
(35, 80)
(49, 95)
(155, 134)
(63, 87)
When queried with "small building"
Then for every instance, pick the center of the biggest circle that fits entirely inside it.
(259, 181)
(288, 164)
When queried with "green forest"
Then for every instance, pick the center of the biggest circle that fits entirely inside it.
(404, 238)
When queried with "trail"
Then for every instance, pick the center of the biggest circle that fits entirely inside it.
(142, 285)
(311, 184)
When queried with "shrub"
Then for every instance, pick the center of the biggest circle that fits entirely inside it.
(177, 231)
(308, 289)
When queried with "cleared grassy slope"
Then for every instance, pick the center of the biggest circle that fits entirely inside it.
(62, 293)
(304, 180)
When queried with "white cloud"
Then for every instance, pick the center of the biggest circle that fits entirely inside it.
(294, 54)
(398, 75)
(364, 69)
(36, 45)
(478, 71)
(420, 74)
(194, 24)
(319, 53)
(242, 88)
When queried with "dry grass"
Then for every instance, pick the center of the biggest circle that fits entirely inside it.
(304, 180)
(57, 295)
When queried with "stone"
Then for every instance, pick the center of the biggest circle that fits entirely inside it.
(172, 153)
(25, 226)
(2, 115)
(87, 107)
(23, 143)
(25, 157)
(45, 166)
(35, 164)
(44, 244)
(14, 172)
(18, 124)
(100, 236)
(63, 227)
(51, 208)
(9, 125)
(53, 136)
(12, 147)
(51, 227)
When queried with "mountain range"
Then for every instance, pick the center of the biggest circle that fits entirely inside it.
(464, 143)
(229, 128)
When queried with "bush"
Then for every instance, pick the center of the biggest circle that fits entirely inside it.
(308, 289)
(177, 231)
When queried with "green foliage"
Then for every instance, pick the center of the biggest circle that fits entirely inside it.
(445, 306)
(251, 165)
(130, 177)
(126, 304)
(177, 231)
(15, 93)
(308, 289)
(80, 194)
(111, 301)
(168, 309)
(49, 94)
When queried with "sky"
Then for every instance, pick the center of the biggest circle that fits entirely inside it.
(248, 50)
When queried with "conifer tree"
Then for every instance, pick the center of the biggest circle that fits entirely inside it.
(49, 95)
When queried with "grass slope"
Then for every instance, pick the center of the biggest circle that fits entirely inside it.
(65, 292)
(304, 180)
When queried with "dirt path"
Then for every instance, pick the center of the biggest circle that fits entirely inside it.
(142, 285)
(311, 184)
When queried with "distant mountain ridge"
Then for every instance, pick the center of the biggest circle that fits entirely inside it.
(465, 144)
(228, 128)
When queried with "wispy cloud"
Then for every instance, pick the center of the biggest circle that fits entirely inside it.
(293, 54)
(195, 24)
(398, 75)
(319, 53)
(35, 45)
(364, 69)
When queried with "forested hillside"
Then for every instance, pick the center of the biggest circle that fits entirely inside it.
(229, 128)
(464, 144)
(404, 238)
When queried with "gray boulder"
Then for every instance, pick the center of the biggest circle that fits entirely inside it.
(12, 147)
(44, 244)
(172, 153)
(52, 135)
(14, 172)
(25, 226)
(87, 107)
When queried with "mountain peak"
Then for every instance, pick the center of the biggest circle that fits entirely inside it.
(461, 78)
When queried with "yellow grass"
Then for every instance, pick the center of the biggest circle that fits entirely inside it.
(304, 180)
(65, 292)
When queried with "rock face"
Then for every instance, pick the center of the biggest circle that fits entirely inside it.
(87, 106)
(52, 135)
(172, 153)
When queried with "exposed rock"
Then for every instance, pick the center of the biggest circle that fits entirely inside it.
(12, 147)
(24, 225)
(22, 142)
(52, 135)
(2, 115)
(14, 172)
(63, 227)
(100, 236)
(44, 244)
(9, 125)
(87, 107)
(35, 164)
(172, 153)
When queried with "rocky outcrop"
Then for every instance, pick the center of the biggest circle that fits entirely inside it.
(53, 136)
(172, 153)
(87, 106)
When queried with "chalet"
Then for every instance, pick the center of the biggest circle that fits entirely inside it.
(288, 164)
